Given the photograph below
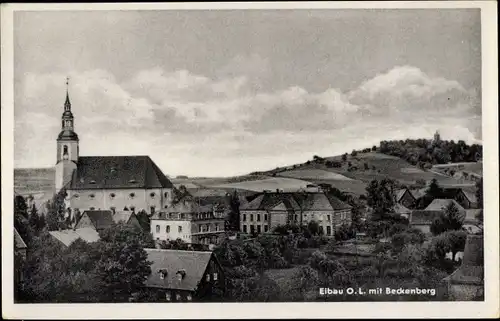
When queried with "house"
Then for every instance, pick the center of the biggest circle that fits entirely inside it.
(268, 210)
(439, 204)
(67, 237)
(191, 222)
(183, 276)
(402, 210)
(20, 246)
(422, 219)
(100, 220)
(467, 282)
(405, 198)
(471, 224)
(106, 182)
(458, 195)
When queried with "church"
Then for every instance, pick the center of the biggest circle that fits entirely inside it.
(115, 183)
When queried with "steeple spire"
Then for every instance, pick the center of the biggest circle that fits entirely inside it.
(67, 103)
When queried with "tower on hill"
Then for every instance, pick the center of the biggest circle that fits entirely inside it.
(437, 137)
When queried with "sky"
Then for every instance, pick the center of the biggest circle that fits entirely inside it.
(228, 92)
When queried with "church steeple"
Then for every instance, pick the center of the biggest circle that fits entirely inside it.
(67, 103)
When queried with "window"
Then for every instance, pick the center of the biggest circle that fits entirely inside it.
(189, 297)
(244, 217)
(182, 216)
(112, 195)
(244, 228)
(215, 276)
(166, 194)
(208, 228)
(152, 195)
(251, 217)
(266, 228)
(168, 296)
(180, 229)
(168, 228)
(152, 209)
(208, 277)
(328, 230)
(259, 229)
(178, 297)
(201, 228)
(75, 196)
(162, 275)
(296, 218)
(265, 217)
(132, 195)
(92, 208)
(65, 149)
(258, 217)
(92, 181)
(328, 217)
(252, 229)
(132, 181)
(157, 228)
(91, 195)
(216, 227)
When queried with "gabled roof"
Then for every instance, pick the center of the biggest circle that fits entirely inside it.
(424, 217)
(122, 216)
(67, 237)
(401, 209)
(440, 204)
(98, 172)
(312, 202)
(101, 219)
(471, 196)
(401, 192)
(189, 206)
(418, 193)
(18, 241)
(194, 263)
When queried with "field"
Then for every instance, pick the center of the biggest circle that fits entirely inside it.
(314, 174)
(271, 183)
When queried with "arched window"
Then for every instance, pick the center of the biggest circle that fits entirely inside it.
(152, 195)
(168, 228)
(112, 195)
(157, 228)
(65, 149)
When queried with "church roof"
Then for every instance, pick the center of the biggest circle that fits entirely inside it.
(101, 172)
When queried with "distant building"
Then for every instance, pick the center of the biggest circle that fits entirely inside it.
(67, 237)
(268, 210)
(183, 276)
(458, 195)
(106, 182)
(405, 198)
(191, 222)
(467, 282)
(437, 138)
(100, 220)
(422, 219)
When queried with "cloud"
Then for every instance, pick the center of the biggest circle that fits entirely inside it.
(184, 119)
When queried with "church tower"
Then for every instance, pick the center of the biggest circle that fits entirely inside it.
(67, 146)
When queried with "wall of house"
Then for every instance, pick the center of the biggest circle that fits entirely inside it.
(212, 282)
(208, 231)
(277, 218)
(407, 200)
(103, 199)
(161, 234)
(257, 219)
(134, 222)
(63, 173)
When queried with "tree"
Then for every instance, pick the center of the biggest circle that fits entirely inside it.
(305, 279)
(123, 266)
(144, 220)
(479, 193)
(301, 198)
(344, 157)
(380, 197)
(55, 212)
(354, 153)
(36, 222)
(434, 190)
(313, 227)
(366, 166)
(234, 215)
(450, 220)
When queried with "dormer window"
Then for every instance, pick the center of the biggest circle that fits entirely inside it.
(132, 195)
(91, 195)
(132, 181)
(152, 195)
(113, 170)
(112, 195)
(92, 181)
(75, 196)
(189, 297)
(181, 274)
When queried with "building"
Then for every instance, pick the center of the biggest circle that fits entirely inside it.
(439, 204)
(106, 182)
(191, 222)
(405, 198)
(467, 282)
(20, 246)
(268, 210)
(100, 220)
(183, 276)
(402, 210)
(457, 194)
(422, 219)
(67, 237)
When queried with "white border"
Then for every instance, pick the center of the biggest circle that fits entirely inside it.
(488, 308)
